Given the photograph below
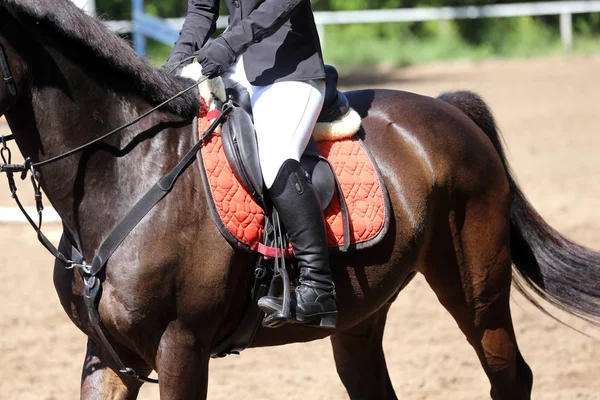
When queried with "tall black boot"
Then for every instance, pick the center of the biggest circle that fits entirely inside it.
(299, 208)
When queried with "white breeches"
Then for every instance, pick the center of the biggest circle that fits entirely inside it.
(285, 114)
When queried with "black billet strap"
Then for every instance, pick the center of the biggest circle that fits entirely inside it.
(343, 208)
(149, 200)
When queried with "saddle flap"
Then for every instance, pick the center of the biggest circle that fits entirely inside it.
(241, 151)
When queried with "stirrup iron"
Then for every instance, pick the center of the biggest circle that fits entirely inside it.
(279, 318)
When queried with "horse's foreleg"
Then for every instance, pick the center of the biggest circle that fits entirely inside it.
(471, 275)
(98, 381)
(182, 365)
(360, 360)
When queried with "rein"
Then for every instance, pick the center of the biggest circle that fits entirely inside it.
(89, 272)
(105, 136)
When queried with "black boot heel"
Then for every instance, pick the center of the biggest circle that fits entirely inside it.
(328, 320)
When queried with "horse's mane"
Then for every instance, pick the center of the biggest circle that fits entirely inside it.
(96, 46)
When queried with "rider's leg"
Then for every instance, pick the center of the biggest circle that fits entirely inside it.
(285, 114)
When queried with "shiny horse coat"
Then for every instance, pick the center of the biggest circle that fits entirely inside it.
(175, 288)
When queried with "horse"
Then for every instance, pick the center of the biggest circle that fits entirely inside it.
(174, 288)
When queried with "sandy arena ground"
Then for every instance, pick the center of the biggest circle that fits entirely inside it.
(548, 111)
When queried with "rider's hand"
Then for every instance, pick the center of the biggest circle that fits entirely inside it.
(216, 58)
(175, 64)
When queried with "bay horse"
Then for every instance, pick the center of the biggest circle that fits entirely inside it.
(175, 287)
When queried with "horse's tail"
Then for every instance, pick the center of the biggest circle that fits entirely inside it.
(560, 271)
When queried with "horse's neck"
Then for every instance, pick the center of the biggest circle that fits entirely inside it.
(94, 189)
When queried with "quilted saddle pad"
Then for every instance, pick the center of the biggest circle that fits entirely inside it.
(240, 219)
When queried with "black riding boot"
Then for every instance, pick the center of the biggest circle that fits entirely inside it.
(299, 208)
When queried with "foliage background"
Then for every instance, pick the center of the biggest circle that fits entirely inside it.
(407, 43)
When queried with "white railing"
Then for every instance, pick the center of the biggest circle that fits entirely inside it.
(13, 215)
(563, 8)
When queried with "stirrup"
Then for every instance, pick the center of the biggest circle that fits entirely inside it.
(283, 316)
(276, 319)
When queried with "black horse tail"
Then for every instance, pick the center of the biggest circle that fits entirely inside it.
(560, 271)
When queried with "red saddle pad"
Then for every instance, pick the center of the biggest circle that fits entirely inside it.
(240, 219)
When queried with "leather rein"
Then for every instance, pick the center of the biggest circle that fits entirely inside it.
(73, 258)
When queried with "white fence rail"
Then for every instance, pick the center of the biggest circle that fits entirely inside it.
(447, 13)
(563, 8)
(12, 215)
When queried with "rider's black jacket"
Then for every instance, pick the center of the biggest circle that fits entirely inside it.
(278, 38)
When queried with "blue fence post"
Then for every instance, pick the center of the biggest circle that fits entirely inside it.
(148, 26)
(139, 40)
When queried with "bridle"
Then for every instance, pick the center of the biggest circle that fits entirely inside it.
(67, 253)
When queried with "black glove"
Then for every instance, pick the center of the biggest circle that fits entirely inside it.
(216, 58)
(175, 63)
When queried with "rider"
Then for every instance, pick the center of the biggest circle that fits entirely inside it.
(272, 48)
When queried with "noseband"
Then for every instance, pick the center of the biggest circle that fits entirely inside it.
(9, 80)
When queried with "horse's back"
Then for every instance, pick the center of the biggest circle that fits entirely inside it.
(442, 146)
(433, 157)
